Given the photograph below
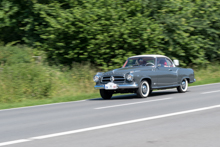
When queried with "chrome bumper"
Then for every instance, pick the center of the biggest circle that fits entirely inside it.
(194, 80)
(120, 86)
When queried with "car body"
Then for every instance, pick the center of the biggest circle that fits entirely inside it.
(142, 74)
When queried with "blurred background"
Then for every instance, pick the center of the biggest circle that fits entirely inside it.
(51, 49)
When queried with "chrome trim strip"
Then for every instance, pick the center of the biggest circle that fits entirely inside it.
(165, 87)
(128, 86)
(120, 86)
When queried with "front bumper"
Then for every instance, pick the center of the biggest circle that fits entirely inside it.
(120, 86)
(194, 80)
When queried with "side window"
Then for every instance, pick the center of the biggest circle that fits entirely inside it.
(150, 61)
(161, 61)
(169, 63)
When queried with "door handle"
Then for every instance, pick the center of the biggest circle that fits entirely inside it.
(170, 69)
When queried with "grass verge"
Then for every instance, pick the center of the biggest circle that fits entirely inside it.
(34, 102)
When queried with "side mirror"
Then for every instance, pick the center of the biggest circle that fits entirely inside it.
(176, 62)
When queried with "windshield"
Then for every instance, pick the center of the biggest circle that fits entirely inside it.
(139, 61)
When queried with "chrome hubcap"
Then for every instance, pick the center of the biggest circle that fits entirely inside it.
(184, 85)
(144, 89)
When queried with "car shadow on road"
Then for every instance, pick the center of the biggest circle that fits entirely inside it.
(134, 96)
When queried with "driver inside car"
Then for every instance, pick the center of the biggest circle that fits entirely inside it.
(141, 62)
(163, 63)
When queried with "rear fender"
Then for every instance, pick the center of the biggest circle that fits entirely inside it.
(185, 77)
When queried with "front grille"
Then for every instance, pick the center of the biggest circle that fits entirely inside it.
(117, 79)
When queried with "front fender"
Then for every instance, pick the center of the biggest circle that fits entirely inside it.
(147, 78)
(144, 78)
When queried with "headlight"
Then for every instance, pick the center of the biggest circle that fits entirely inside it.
(130, 77)
(96, 78)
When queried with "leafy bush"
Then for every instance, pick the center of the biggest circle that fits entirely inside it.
(22, 78)
(10, 55)
(24, 81)
(106, 32)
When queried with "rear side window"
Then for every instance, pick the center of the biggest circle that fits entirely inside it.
(169, 63)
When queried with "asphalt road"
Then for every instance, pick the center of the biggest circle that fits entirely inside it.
(164, 119)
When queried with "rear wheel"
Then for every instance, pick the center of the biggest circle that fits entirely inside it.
(143, 90)
(106, 94)
(183, 87)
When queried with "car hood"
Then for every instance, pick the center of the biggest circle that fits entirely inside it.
(123, 71)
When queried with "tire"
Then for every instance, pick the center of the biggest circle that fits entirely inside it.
(183, 87)
(143, 90)
(150, 92)
(106, 94)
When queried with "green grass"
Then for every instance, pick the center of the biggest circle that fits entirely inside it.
(207, 75)
(96, 94)
(206, 81)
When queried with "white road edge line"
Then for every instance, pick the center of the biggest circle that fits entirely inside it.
(132, 103)
(15, 142)
(42, 105)
(108, 125)
(210, 92)
(203, 85)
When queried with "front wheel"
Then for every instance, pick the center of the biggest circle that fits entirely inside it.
(183, 87)
(106, 94)
(150, 92)
(143, 90)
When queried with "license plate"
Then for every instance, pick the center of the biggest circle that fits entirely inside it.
(111, 86)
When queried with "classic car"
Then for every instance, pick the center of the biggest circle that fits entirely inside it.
(142, 74)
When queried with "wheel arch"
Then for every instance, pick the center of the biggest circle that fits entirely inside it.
(180, 79)
(148, 79)
(187, 78)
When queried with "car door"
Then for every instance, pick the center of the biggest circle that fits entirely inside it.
(166, 72)
(173, 72)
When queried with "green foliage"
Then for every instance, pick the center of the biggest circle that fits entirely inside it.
(24, 80)
(21, 78)
(106, 32)
(10, 55)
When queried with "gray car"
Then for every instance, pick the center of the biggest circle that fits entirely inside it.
(142, 74)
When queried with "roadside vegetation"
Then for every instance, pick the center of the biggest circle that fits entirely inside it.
(26, 81)
(106, 32)
(22, 77)
(50, 49)
(208, 74)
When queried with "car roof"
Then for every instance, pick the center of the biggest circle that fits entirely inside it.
(148, 56)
